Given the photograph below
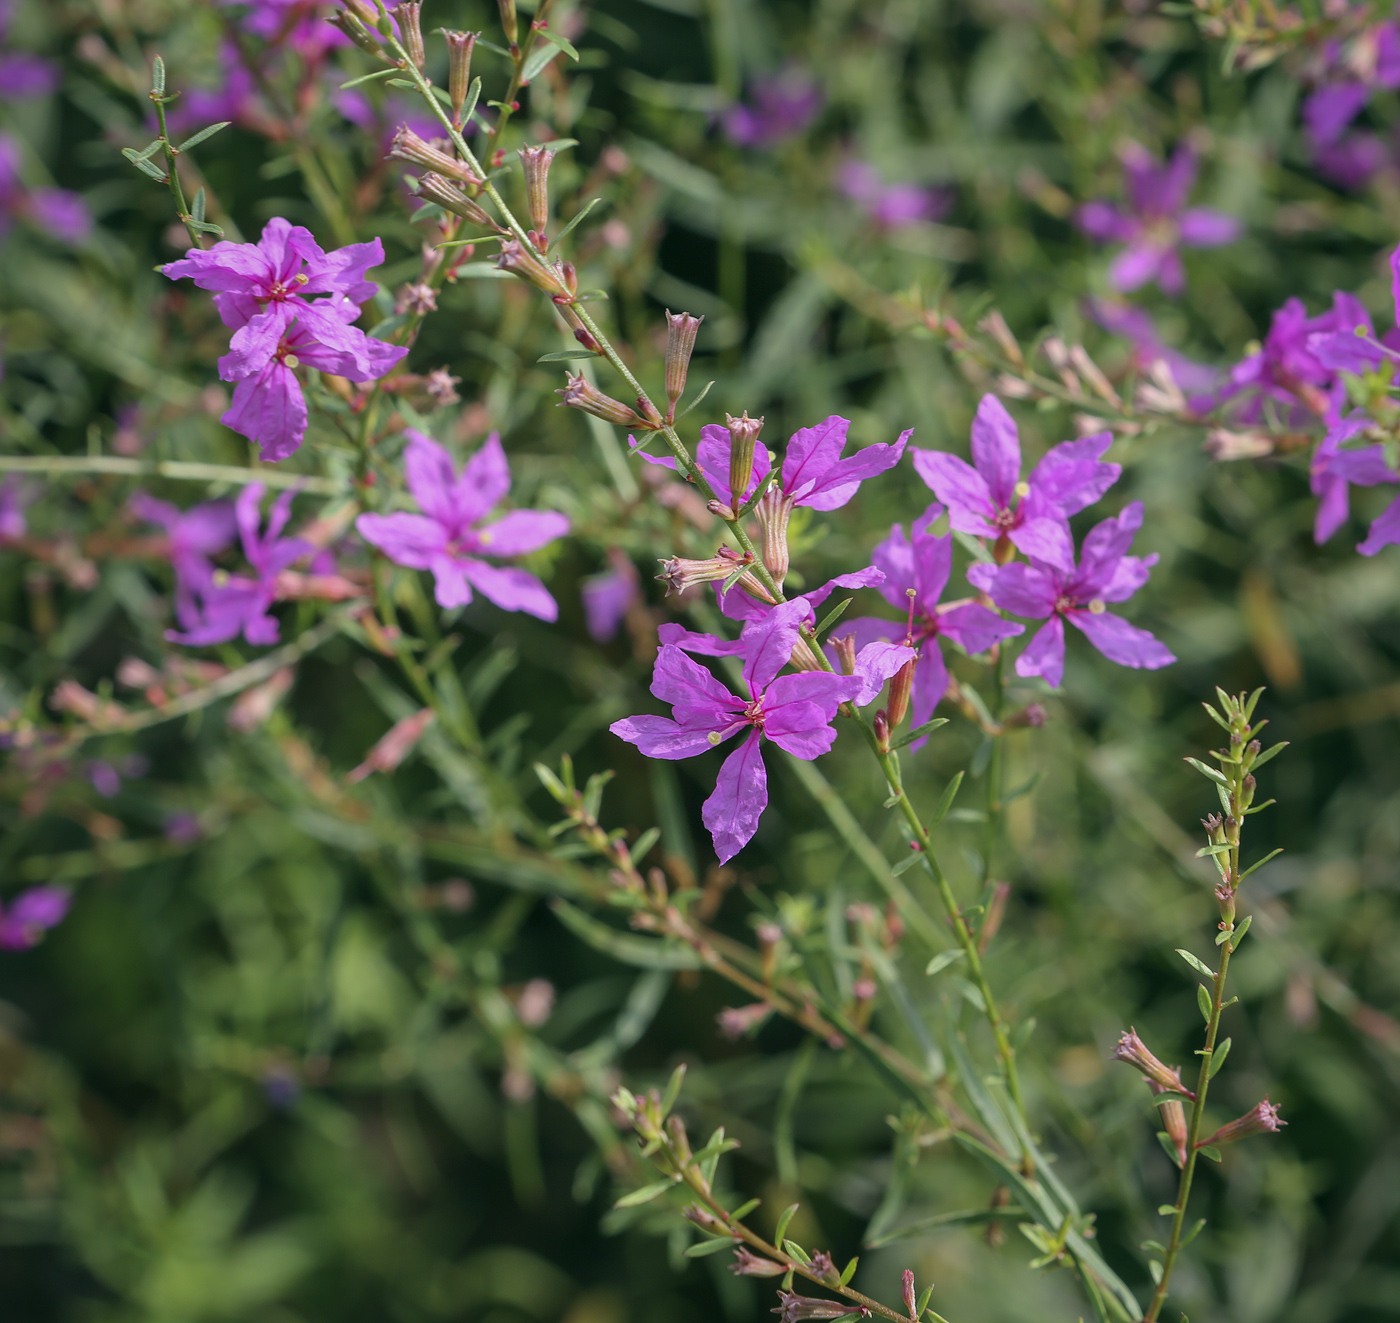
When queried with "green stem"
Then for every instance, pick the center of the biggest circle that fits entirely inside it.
(172, 174)
(177, 469)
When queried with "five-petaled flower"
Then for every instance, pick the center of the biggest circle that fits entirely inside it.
(449, 537)
(1333, 471)
(990, 500)
(794, 711)
(1106, 573)
(265, 292)
(916, 571)
(1156, 221)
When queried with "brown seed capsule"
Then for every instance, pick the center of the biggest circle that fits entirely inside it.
(680, 344)
(581, 393)
(410, 16)
(537, 161)
(408, 146)
(459, 69)
(451, 198)
(518, 260)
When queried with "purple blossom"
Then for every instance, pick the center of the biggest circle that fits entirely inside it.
(193, 536)
(233, 97)
(1353, 160)
(16, 495)
(214, 606)
(22, 74)
(298, 24)
(1106, 573)
(1156, 221)
(990, 500)
(449, 537)
(793, 711)
(891, 206)
(264, 291)
(1334, 471)
(778, 108)
(920, 565)
(608, 597)
(55, 211)
(25, 920)
(1352, 71)
(1196, 380)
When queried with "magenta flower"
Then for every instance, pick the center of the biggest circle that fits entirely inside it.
(1106, 573)
(779, 108)
(265, 291)
(25, 920)
(794, 711)
(712, 455)
(921, 565)
(1156, 221)
(449, 537)
(194, 535)
(22, 74)
(55, 211)
(891, 206)
(608, 597)
(298, 24)
(214, 606)
(1334, 471)
(16, 496)
(990, 501)
(1352, 73)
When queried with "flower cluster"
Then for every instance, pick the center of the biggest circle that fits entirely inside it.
(266, 293)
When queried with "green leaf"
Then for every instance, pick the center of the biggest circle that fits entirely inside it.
(1209, 1151)
(204, 227)
(673, 1089)
(565, 356)
(1272, 752)
(535, 65)
(919, 732)
(1223, 848)
(1167, 1210)
(834, 615)
(198, 205)
(562, 42)
(704, 391)
(577, 220)
(740, 1213)
(643, 1196)
(1168, 1148)
(1217, 1058)
(945, 802)
(1218, 777)
(1254, 868)
(914, 858)
(707, 1247)
(641, 847)
(145, 154)
(369, 78)
(943, 959)
(781, 1228)
(894, 799)
(1199, 966)
(641, 952)
(145, 167)
(963, 1217)
(1249, 705)
(849, 1271)
(1216, 717)
(1198, 1228)
(1241, 930)
(795, 1251)
(1203, 1000)
(403, 82)
(158, 76)
(203, 135)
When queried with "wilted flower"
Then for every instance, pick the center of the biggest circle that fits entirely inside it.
(748, 1264)
(1135, 1052)
(793, 1307)
(1262, 1118)
(449, 536)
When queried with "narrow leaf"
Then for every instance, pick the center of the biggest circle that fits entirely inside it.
(834, 615)
(1203, 1000)
(1217, 1058)
(643, 1196)
(707, 1247)
(1273, 854)
(1218, 777)
(919, 732)
(795, 1251)
(945, 802)
(565, 356)
(943, 959)
(369, 78)
(740, 1213)
(577, 220)
(781, 1228)
(1272, 752)
(904, 865)
(203, 135)
(1198, 965)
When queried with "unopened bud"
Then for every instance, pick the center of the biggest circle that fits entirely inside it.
(1032, 715)
(410, 15)
(537, 161)
(882, 732)
(680, 1141)
(508, 21)
(1261, 1119)
(451, 198)
(581, 393)
(821, 1266)
(515, 258)
(743, 434)
(395, 746)
(582, 334)
(408, 146)
(1173, 1116)
(702, 1217)
(748, 1264)
(678, 573)
(1134, 1051)
(996, 912)
(352, 26)
(772, 514)
(900, 689)
(803, 658)
(1224, 445)
(736, 1021)
(1247, 788)
(907, 1287)
(680, 344)
(845, 650)
(459, 68)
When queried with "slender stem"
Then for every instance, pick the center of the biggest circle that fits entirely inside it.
(177, 469)
(172, 173)
(992, 830)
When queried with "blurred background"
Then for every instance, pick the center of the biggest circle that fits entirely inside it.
(303, 1053)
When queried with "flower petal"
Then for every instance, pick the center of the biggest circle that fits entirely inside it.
(996, 450)
(961, 488)
(411, 540)
(521, 532)
(731, 814)
(511, 589)
(660, 737)
(1045, 653)
(1121, 642)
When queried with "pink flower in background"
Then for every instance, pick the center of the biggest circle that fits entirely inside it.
(55, 211)
(32, 913)
(1156, 221)
(16, 495)
(299, 25)
(794, 711)
(1352, 71)
(265, 291)
(988, 499)
(1333, 471)
(608, 597)
(891, 205)
(214, 606)
(193, 536)
(21, 73)
(1106, 573)
(450, 538)
(921, 565)
(778, 108)
(1196, 380)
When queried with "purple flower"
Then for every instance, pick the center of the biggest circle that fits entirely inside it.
(1197, 380)
(1156, 221)
(299, 24)
(234, 97)
(1332, 473)
(22, 74)
(1293, 367)
(794, 711)
(264, 291)
(1352, 72)
(891, 205)
(214, 606)
(449, 537)
(1352, 161)
(990, 500)
(193, 536)
(1106, 573)
(16, 495)
(607, 597)
(57, 212)
(916, 571)
(777, 109)
(25, 920)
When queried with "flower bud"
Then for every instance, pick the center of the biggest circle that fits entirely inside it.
(678, 573)
(515, 258)
(408, 146)
(680, 344)
(582, 334)
(1134, 1051)
(451, 198)
(821, 1266)
(772, 514)
(882, 732)
(394, 746)
(907, 1287)
(353, 27)
(803, 658)
(1261, 1119)
(1173, 1116)
(793, 1307)
(508, 21)
(736, 1021)
(410, 15)
(581, 393)
(743, 433)
(459, 69)
(748, 1264)
(845, 650)
(702, 1217)
(537, 161)
(900, 688)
